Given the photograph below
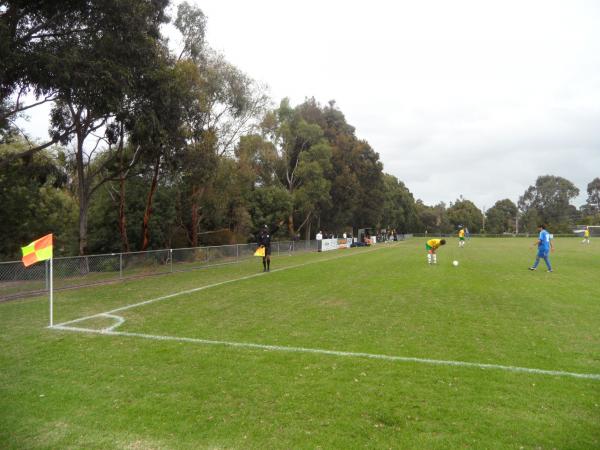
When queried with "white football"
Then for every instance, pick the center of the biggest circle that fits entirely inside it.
(455, 263)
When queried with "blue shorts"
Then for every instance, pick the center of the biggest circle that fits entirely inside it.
(543, 252)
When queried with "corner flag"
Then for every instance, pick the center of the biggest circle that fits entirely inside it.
(39, 250)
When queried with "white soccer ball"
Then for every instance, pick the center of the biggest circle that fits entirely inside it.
(455, 263)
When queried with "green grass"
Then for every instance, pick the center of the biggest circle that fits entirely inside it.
(61, 389)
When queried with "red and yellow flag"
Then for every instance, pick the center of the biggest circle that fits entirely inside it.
(39, 250)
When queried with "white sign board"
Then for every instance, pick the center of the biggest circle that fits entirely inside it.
(327, 244)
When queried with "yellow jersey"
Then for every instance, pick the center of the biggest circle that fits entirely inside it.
(586, 233)
(461, 233)
(434, 243)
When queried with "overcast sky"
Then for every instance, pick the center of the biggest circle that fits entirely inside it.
(472, 98)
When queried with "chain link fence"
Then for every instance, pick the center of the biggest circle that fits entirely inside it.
(77, 271)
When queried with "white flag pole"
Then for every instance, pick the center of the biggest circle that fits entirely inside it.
(51, 295)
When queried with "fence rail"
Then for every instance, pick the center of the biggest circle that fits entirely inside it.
(78, 271)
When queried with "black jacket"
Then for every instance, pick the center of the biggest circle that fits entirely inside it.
(264, 238)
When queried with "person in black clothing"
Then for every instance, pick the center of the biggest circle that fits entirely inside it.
(264, 240)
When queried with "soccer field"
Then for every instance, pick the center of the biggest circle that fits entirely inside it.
(348, 349)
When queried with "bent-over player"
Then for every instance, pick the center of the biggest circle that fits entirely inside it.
(431, 246)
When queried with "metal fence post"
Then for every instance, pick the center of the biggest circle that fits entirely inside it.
(171, 257)
(237, 252)
(120, 266)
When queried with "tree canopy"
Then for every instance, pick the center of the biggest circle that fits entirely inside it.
(548, 202)
(464, 213)
(502, 217)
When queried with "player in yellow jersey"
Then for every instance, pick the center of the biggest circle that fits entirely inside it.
(431, 246)
(461, 237)
(586, 236)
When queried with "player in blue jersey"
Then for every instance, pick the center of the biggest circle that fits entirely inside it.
(544, 245)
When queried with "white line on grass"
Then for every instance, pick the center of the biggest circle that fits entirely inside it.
(438, 362)
(208, 286)
(120, 320)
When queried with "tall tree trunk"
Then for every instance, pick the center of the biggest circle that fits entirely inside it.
(306, 221)
(83, 125)
(148, 210)
(197, 194)
(290, 224)
(290, 221)
(122, 219)
(82, 190)
(83, 210)
(84, 267)
(194, 224)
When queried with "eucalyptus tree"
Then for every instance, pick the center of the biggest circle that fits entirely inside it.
(433, 219)
(264, 196)
(548, 201)
(303, 163)
(81, 53)
(356, 177)
(399, 211)
(502, 217)
(223, 104)
(592, 204)
(464, 212)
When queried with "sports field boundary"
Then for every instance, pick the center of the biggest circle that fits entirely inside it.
(119, 320)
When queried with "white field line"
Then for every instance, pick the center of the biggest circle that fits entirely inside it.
(208, 286)
(438, 362)
(120, 320)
